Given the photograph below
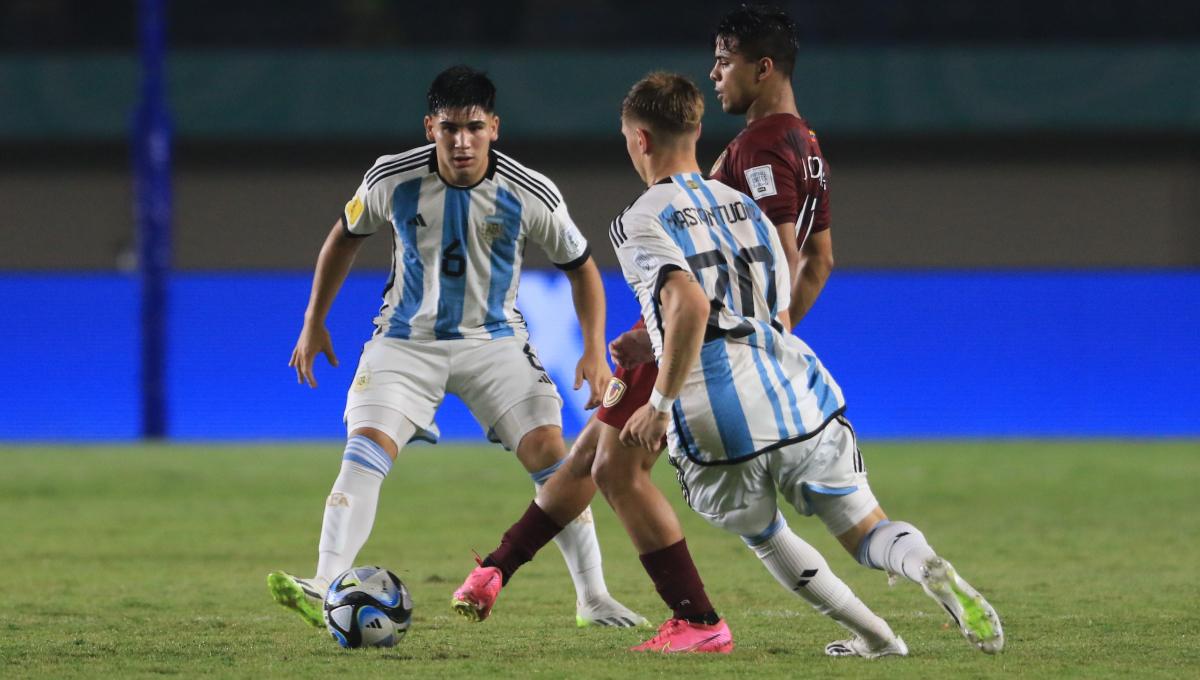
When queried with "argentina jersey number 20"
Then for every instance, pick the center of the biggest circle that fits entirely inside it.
(728, 246)
(755, 387)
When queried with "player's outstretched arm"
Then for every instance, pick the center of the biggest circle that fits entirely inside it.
(815, 265)
(587, 291)
(337, 254)
(684, 308)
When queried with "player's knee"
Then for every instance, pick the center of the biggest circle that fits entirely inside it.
(541, 446)
(583, 449)
(846, 516)
(578, 463)
(531, 428)
(606, 473)
(387, 427)
(384, 440)
(545, 437)
(614, 472)
(582, 453)
(853, 538)
(755, 541)
(616, 467)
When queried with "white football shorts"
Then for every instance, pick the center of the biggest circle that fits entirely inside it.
(823, 475)
(490, 376)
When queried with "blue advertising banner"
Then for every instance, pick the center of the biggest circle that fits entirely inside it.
(918, 354)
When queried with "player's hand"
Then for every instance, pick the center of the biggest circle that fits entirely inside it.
(595, 370)
(645, 428)
(631, 348)
(314, 340)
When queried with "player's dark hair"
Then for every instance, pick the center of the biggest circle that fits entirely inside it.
(666, 102)
(461, 87)
(757, 31)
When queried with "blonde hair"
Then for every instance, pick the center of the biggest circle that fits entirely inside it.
(667, 103)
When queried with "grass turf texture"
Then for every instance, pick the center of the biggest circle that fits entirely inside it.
(151, 560)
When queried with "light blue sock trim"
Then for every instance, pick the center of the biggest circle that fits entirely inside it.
(364, 452)
(541, 476)
(863, 555)
(773, 528)
(807, 489)
(830, 490)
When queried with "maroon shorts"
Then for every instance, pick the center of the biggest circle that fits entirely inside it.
(628, 391)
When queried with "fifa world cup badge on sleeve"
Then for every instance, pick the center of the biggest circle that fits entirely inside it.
(647, 262)
(573, 240)
(354, 210)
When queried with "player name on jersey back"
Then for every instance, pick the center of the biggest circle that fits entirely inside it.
(734, 211)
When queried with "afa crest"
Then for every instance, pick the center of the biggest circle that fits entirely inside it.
(616, 390)
(363, 379)
(493, 227)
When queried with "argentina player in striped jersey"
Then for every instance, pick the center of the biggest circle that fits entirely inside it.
(749, 411)
(460, 214)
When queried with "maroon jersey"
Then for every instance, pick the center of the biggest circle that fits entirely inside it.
(776, 161)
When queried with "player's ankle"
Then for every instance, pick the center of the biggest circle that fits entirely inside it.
(708, 618)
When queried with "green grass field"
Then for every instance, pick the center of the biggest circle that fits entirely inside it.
(145, 561)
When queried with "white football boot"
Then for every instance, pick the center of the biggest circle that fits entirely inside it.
(606, 611)
(857, 646)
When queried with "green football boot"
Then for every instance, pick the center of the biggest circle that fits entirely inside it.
(305, 596)
(976, 619)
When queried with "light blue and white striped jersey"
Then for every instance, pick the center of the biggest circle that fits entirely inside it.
(756, 386)
(457, 251)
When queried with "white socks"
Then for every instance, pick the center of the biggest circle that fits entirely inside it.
(897, 548)
(579, 547)
(350, 508)
(801, 569)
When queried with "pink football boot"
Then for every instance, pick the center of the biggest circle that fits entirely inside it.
(475, 597)
(678, 636)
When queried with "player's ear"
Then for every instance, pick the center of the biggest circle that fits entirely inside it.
(644, 142)
(766, 66)
(495, 127)
(429, 127)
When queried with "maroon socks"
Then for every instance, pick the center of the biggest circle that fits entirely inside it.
(678, 583)
(671, 568)
(522, 541)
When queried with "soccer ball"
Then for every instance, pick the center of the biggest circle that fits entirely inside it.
(368, 607)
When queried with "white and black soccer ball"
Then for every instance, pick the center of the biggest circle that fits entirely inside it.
(368, 607)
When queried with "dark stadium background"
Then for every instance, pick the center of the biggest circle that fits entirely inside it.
(1016, 200)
